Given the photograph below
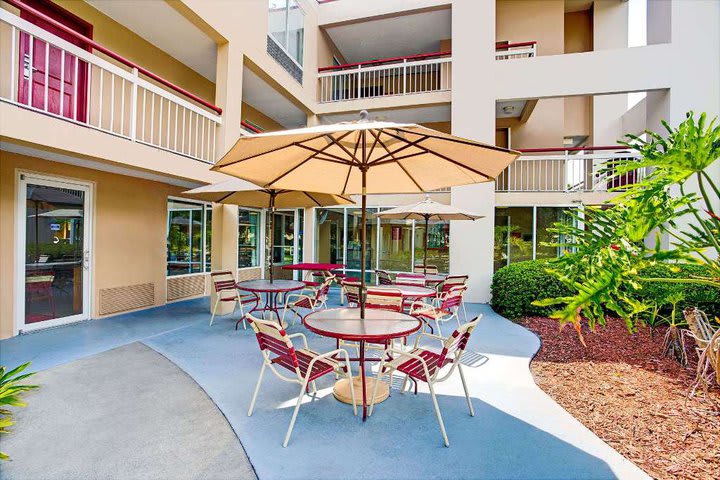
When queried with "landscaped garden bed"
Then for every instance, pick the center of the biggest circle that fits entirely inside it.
(623, 389)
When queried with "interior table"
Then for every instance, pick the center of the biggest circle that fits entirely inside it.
(378, 326)
(271, 291)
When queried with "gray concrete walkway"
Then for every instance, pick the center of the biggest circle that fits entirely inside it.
(127, 413)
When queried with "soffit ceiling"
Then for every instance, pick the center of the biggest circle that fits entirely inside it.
(160, 24)
(401, 36)
(258, 94)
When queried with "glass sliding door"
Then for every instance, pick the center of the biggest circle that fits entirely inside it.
(329, 235)
(283, 250)
(352, 247)
(248, 238)
(438, 252)
(55, 242)
(396, 237)
(188, 240)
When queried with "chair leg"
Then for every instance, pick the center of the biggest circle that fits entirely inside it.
(378, 378)
(404, 384)
(212, 316)
(467, 394)
(295, 413)
(437, 412)
(464, 311)
(437, 323)
(257, 389)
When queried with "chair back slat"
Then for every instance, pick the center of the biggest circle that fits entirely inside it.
(223, 280)
(414, 279)
(383, 277)
(384, 300)
(429, 269)
(453, 281)
(352, 291)
(456, 343)
(322, 292)
(272, 338)
(453, 298)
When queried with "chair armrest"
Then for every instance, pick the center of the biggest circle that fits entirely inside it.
(403, 353)
(431, 335)
(339, 351)
(300, 335)
(298, 296)
(422, 306)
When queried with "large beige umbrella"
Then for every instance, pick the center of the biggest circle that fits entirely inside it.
(363, 157)
(428, 210)
(236, 191)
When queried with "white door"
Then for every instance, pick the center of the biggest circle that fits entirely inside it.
(53, 254)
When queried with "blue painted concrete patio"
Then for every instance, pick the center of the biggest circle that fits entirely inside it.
(517, 432)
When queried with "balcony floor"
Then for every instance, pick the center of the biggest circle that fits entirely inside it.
(517, 432)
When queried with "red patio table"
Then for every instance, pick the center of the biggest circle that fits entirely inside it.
(271, 290)
(378, 326)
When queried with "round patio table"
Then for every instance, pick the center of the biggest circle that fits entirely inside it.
(408, 291)
(271, 291)
(378, 326)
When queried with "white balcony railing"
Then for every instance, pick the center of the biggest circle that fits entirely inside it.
(572, 170)
(107, 93)
(508, 51)
(387, 77)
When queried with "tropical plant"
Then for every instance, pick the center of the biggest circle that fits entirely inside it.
(10, 396)
(607, 248)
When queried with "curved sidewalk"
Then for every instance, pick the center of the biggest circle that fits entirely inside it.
(518, 431)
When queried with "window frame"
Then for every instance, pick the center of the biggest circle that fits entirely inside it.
(261, 238)
(287, 33)
(205, 206)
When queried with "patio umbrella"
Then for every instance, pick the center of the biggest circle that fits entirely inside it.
(428, 210)
(363, 158)
(236, 191)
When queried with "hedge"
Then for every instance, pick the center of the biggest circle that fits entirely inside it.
(517, 285)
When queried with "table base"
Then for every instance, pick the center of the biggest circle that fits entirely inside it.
(341, 390)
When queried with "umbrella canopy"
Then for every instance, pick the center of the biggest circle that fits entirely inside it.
(428, 210)
(236, 191)
(363, 157)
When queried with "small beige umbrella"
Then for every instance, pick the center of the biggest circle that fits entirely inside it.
(236, 191)
(363, 158)
(428, 210)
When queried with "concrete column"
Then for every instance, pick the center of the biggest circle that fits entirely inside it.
(224, 245)
(473, 116)
(228, 95)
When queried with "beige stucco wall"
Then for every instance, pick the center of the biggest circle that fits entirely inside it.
(528, 20)
(128, 240)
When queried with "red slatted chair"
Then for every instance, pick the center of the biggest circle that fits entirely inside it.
(306, 365)
(448, 309)
(414, 279)
(383, 277)
(425, 365)
(226, 291)
(38, 287)
(351, 290)
(450, 282)
(316, 300)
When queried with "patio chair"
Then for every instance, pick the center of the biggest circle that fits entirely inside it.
(415, 279)
(351, 290)
(430, 269)
(306, 365)
(226, 291)
(450, 282)
(707, 341)
(424, 365)
(446, 311)
(383, 277)
(38, 287)
(391, 300)
(315, 299)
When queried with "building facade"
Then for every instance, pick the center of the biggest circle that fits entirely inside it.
(110, 110)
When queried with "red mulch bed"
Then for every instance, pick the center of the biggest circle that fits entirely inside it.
(623, 389)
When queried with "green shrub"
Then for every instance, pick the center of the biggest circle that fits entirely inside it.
(517, 285)
(705, 297)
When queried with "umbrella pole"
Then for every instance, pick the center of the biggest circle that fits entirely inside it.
(363, 240)
(272, 232)
(427, 221)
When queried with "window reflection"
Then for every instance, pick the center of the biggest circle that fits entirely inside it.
(186, 238)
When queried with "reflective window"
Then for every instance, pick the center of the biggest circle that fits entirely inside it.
(438, 251)
(248, 238)
(396, 245)
(186, 238)
(286, 26)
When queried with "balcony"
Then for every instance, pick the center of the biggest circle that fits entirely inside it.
(385, 77)
(581, 169)
(61, 78)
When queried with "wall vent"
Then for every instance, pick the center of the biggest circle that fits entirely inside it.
(184, 287)
(130, 297)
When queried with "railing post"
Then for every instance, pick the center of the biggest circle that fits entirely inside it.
(133, 107)
(359, 82)
(404, 76)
